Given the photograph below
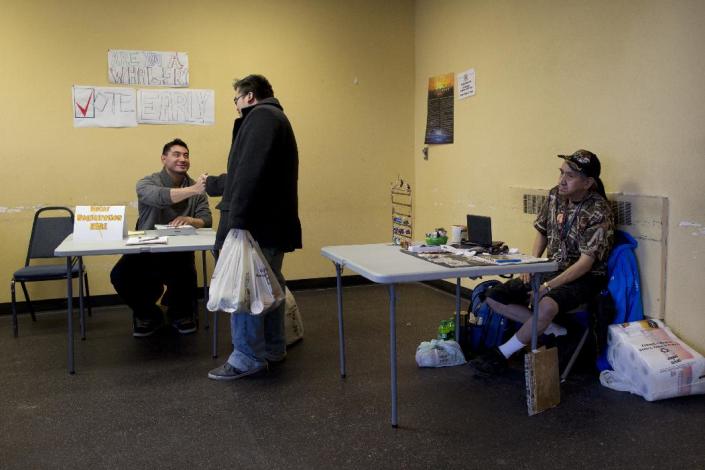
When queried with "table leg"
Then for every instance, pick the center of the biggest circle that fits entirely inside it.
(205, 291)
(393, 351)
(69, 296)
(535, 285)
(341, 326)
(457, 310)
(82, 317)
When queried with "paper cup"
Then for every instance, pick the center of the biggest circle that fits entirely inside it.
(456, 233)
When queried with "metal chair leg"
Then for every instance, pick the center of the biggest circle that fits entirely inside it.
(29, 302)
(14, 309)
(575, 355)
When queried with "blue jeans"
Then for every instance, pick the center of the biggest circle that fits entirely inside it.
(257, 338)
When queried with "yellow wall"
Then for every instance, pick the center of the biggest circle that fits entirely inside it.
(353, 138)
(621, 78)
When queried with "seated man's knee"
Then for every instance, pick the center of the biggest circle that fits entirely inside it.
(494, 305)
(548, 309)
(117, 274)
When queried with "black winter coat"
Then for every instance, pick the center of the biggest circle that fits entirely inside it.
(260, 188)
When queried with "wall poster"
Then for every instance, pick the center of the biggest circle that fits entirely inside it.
(176, 107)
(148, 68)
(104, 106)
(440, 117)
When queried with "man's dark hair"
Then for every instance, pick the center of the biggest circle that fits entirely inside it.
(169, 145)
(257, 84)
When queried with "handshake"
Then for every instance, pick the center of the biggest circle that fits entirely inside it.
(199, 187)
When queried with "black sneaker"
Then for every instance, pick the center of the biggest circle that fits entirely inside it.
(184, 326)
(228, 372)
(490, 362)
(145, 326)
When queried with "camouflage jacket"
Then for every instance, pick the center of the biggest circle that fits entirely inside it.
(590, 231)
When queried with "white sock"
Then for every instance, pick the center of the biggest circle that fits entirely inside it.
(555, 330)
(511, 346)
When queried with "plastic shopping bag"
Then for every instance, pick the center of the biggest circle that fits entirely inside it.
(439, 353)
(243, 281)
(651, 361)
(293, 324)
(265, 291)
(226, 292)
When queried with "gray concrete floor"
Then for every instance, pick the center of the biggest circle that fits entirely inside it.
(147, 403)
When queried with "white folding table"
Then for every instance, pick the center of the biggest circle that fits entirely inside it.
(203, 240)
(386, 264)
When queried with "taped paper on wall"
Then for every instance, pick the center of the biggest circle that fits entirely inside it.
(104, 106)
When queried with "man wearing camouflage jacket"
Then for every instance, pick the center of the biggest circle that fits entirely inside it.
(576, 229)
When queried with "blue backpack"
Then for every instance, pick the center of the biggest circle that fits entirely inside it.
(490, 329)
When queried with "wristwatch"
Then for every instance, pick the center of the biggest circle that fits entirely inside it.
(546, 286)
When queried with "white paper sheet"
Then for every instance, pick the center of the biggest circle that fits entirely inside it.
(466, 84)
(104, 107)
(176, 107)
(148, 68)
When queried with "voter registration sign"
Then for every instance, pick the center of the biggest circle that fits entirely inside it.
(99, 223)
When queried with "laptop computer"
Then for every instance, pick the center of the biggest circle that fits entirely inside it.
(479, 232)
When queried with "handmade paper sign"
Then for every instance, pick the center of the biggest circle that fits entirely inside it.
(99, 223)
(175, 106)
(148, 68)
(104, 106)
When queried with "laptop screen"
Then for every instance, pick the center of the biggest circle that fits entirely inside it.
(479, 230)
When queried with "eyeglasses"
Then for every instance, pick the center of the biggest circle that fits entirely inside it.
(238, 97)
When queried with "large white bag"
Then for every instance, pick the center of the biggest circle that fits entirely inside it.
(293, 324)
(651, 361)
(243, 281)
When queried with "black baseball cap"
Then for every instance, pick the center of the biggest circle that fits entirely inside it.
(583, 161)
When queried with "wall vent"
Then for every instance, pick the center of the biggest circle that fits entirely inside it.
(533, 203)
(622, 210)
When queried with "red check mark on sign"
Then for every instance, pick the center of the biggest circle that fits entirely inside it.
(84, 109)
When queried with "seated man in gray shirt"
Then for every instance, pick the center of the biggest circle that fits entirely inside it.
(166, 197)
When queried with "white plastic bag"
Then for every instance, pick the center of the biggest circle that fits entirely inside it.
(439, 353)
(293, 324)
(243, 281)
(651, 361)
(225, 293)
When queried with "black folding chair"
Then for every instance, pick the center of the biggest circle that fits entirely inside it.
(47, 234)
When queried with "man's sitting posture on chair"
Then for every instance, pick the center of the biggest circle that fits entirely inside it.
(575, 226)
(170, 197)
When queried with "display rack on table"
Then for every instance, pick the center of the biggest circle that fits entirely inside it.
(402, 222)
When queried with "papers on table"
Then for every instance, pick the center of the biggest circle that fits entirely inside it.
(511, 258)
(146, 240)
(452, 257)
(169, 230)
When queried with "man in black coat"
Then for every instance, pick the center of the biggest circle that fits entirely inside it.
(259, 194)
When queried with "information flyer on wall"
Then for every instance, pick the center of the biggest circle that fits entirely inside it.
(440, 117)
(466, 84)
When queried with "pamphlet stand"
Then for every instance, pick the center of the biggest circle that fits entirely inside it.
(402, 226)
